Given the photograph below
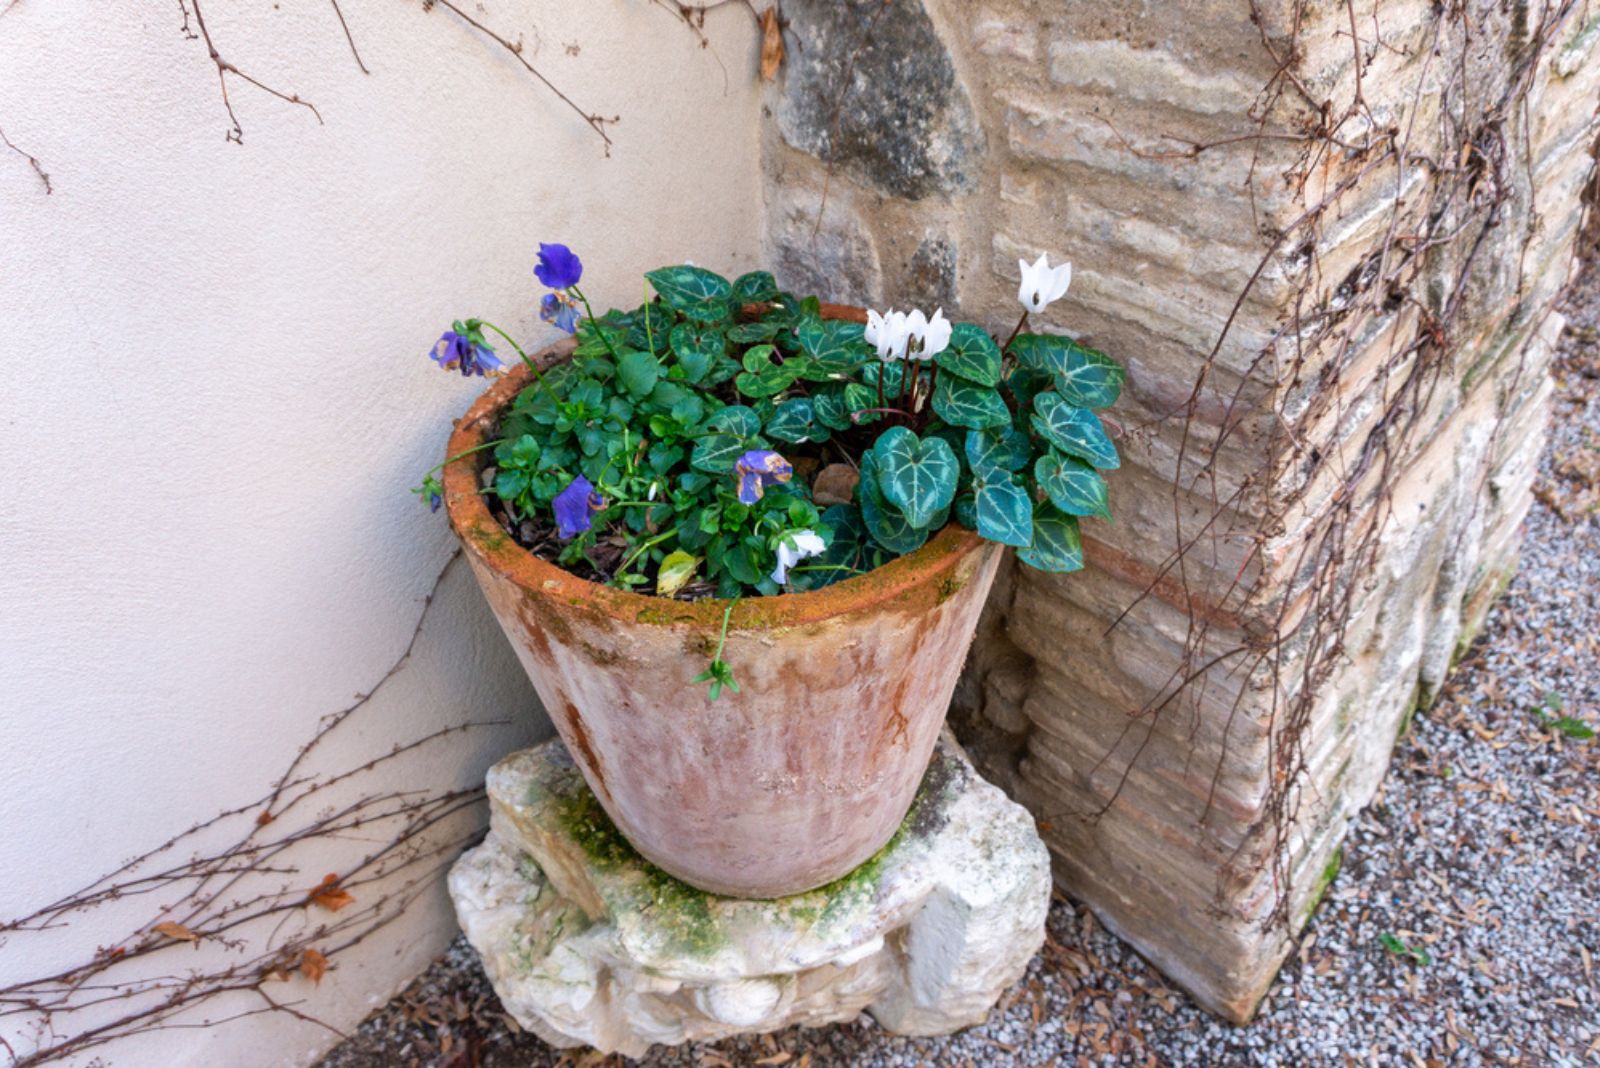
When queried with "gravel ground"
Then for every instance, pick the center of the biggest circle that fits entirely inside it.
(1463, 929)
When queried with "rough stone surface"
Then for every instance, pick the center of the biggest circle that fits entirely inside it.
(587, 944)
(1165, 824)
(823, 247)
(874, 90)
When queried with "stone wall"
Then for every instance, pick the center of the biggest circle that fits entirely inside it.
(1325, 240)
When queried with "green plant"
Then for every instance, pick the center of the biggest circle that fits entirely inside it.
(1399, 948)
(663, 456)
(1570, 726)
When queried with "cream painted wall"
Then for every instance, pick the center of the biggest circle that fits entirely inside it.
(216, 397)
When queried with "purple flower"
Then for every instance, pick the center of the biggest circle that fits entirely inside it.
(575, 507)
(434, 501)
(560, 309)
(758, 469)
(466, 351)
(558, 268)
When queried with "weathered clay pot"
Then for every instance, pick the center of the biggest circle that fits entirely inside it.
(782, 787)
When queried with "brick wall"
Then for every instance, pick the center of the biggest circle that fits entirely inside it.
(1336, 318)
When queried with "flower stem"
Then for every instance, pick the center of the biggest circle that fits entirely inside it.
(448, 460)
(722, 639)
(537, 374)
(623, 570)
(1022, 322)
(589, 314)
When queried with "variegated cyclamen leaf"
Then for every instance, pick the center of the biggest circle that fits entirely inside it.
(756, 287)
(688, 288)
(697, 348)
(1085, 378)
(1057, 545)
(972, 354)
(796, 421)
(831, 410)
(1075, 431)
(736, 419)
(861, 399)
(887, 525)
(917, 476)
(967, 404)
(1001, 448)
(1072, 485)
(1003, 508)
(716, 453)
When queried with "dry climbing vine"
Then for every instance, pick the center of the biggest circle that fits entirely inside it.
(1449, 200)
(241, 903)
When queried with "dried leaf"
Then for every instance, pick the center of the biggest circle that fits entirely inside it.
(176, 931)
(329, 896)
(265, 818)
(313, 965)
(836, 484)
(771, 44)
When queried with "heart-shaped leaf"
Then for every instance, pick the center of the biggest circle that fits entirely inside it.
(1002, 448)
(757, 287)
(892, 374)
(796, 421)
(916, 476)
(887, 525)
(831, 410)
(972, 354)
(1075, 431)
(963, 403)
(1072, 485)
(750, 333)
(1003, 510)
(716, 453)
(736, 419)
(831, 342)
(686, 287)
(763, 376)
(710, 311)
(1057, 545)
(697, 348)
(858, 399)
(1086, 378)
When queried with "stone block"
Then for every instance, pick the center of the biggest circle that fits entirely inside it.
(587, 944)
(875, 91)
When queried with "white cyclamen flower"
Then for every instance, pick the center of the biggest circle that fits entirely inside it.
(888, 333)
(935, 336)
(796, 546)
(874, 329)
(1042, 284)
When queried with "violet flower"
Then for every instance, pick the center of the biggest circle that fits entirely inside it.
(575, 507)
(758, 469)
(464, 349)
(561, 310)
(558, 267)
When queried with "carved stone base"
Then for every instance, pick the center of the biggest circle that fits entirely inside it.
(588, 944)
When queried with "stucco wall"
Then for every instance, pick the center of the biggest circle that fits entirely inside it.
(216, 397)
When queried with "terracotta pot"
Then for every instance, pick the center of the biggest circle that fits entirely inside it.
(785, 786)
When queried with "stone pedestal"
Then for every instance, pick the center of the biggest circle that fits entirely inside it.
(588, 944)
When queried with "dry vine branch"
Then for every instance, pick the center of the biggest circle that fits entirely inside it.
(233, 901)
(225, 68)
(33, 161)
(595, 122)
(1293, 638)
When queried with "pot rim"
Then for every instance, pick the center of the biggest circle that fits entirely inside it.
(485, 538)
